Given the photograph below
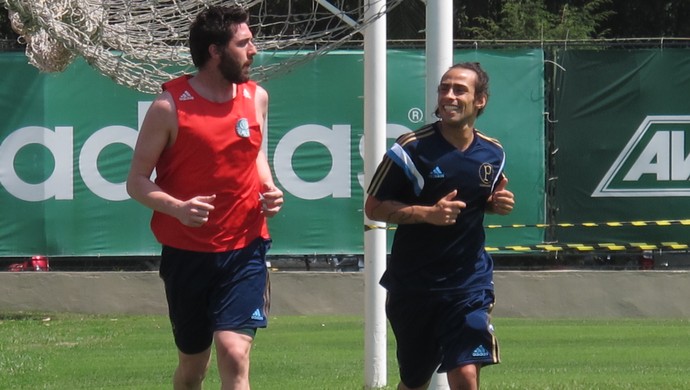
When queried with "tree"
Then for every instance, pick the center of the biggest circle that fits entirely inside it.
(532, 20)
(645, 18)
(6, 32)
(499, 19)
(406, 21)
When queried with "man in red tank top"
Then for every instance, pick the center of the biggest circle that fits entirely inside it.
(210, 199)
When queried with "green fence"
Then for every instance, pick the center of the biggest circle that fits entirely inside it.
(608, 142)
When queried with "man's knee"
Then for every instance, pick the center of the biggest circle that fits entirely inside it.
(233, 349)
(186, 379)
(191, 370)
(465, 377)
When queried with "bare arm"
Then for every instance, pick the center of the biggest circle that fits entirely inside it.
(271, 196)
(158, 132)
(444, 212)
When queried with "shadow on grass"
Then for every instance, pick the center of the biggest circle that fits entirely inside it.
(19, 316)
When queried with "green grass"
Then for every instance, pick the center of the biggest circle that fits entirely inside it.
(70, 351)
(592, 354)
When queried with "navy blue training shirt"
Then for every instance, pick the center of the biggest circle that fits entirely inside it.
(421, 168)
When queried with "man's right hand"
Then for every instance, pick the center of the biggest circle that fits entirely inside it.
(194, 212)
(445, 212)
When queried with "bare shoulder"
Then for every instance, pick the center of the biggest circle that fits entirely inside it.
(160, 123)
(163, 104)
(261, 95)
(162, 112)
(261, 104)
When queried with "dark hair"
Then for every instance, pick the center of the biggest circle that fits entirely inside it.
(481, 85)
(215, 25)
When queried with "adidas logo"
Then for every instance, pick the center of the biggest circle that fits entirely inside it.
(436, 173)
(186, 96)
(480, 351)
(257, 315)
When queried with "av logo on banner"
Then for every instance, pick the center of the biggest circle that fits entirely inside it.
(654, 163)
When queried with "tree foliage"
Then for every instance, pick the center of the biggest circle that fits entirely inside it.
(6, 31)
(550, 19)
(507, 19)
(650, 18)
(532, 20)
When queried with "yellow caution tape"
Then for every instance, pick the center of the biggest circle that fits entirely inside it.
(606, 246)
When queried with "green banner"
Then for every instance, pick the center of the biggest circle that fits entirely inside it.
(66, 142)
(622, 137)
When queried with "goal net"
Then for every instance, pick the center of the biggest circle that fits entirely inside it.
(142, 43)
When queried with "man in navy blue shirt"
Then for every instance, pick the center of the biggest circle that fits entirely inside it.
(436, 184)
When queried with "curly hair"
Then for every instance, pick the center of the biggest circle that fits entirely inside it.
(214, 26)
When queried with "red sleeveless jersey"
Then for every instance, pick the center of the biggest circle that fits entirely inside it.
(214, 153)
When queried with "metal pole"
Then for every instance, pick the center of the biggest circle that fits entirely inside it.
(375, 341)
(439, 57)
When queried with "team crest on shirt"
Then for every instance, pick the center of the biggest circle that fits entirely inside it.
(486, 174)
(242, 128)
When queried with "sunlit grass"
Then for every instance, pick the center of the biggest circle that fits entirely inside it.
(71, 351)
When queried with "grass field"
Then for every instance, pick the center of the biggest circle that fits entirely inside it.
(70, 351)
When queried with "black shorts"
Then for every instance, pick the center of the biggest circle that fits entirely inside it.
(444, 331)
(207, 292)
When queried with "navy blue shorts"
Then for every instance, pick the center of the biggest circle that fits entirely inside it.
(446, 330)
(207, 292)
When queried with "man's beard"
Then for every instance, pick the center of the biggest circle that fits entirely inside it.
(232, 70)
